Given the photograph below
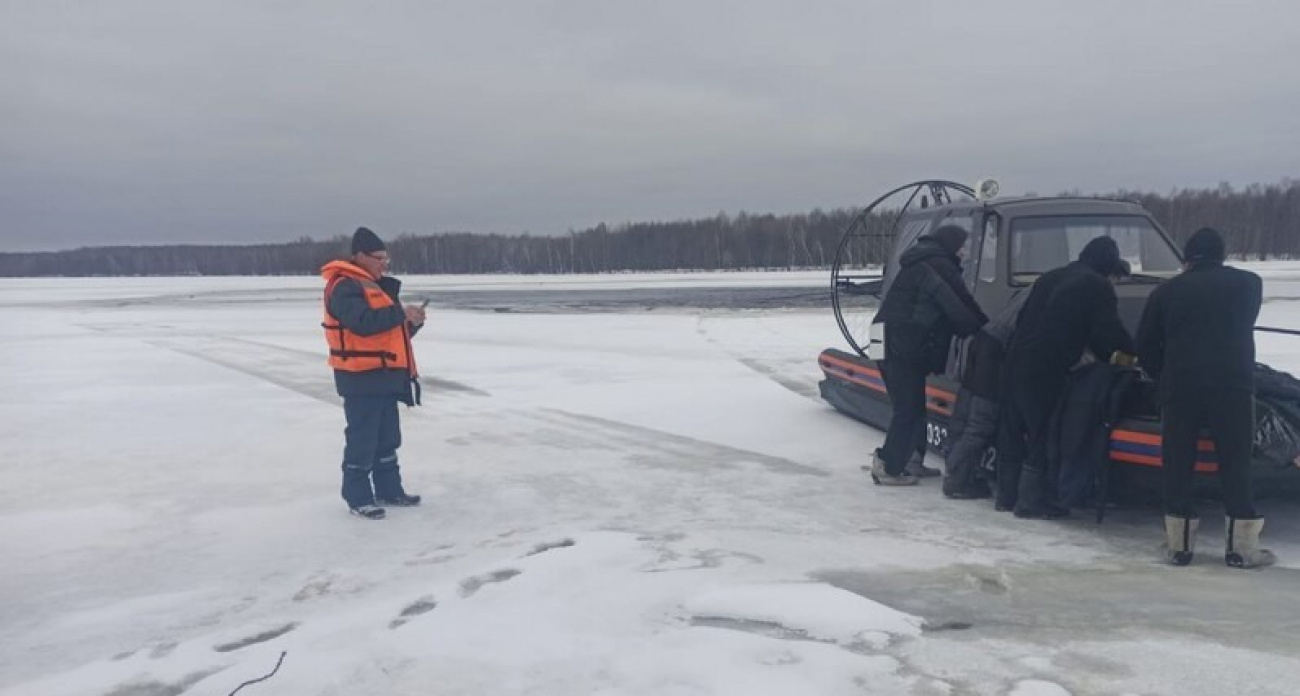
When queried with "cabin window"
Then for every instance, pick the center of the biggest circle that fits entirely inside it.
(989, 251)
(1039, 244)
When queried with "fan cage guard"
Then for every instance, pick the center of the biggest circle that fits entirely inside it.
(868, 238)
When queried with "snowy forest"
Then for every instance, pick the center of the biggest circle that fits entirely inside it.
(1260, 222)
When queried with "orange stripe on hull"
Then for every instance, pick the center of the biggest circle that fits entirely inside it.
(849, 371)
(1205, 445)
(859, 375)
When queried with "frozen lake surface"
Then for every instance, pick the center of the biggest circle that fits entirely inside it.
(632, 488)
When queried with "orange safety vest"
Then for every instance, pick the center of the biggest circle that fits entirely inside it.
(352, 352)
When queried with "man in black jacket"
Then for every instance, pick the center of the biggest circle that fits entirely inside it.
(369, 336)
(926, 305)
(1069, 309)
(1197, 340)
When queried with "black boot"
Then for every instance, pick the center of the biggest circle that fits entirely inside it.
(975, 490)
(961, 482)
(1052, 507)
(1035, 501)
(400, 500)
(1029, 499)
(1008, 485)
(916, 466)
(1180, 539)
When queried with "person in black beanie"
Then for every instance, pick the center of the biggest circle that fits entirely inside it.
(925, 306)
(1197, 340)
(1069, 310)
(369, 336)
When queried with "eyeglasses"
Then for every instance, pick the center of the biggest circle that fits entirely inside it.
(381, 259)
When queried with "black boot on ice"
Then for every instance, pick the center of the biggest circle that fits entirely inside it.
(401, 500)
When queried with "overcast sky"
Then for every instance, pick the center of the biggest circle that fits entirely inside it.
(238, 121)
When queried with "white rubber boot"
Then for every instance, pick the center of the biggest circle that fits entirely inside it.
(1180, 539)
(1243, 544)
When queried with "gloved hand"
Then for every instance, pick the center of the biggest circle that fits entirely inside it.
(1123, 359)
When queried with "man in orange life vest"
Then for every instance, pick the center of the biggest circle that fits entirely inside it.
(369, 335)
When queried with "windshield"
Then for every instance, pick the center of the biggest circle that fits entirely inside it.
(1039, 244)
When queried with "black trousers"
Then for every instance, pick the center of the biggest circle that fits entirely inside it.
(905, 382)
(1036, 400)
(1229, 417)
(373, 434)
(1025, 427)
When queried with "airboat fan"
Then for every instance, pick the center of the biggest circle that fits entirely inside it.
(858, 273)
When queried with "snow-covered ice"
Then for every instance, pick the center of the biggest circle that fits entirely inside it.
(625, 502)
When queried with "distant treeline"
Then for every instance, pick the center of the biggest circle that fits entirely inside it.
(1260, 222)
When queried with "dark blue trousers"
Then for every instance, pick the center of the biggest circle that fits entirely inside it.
(373, 434)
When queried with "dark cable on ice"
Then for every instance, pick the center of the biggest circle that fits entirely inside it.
(262, 679)
(1270, 329)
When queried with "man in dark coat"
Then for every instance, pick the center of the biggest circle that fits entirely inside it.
(1197, 340)
(369, 336)
(1069, 309)
(925, 306)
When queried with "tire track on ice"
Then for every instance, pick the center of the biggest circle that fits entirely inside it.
(670, 446)
(763, 366)
(302, 371)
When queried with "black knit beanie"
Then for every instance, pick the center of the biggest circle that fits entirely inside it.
(950, 237)
(1101, 254)
(366, 242)
(1206, 244)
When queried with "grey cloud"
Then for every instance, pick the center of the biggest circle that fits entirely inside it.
(150, 122)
